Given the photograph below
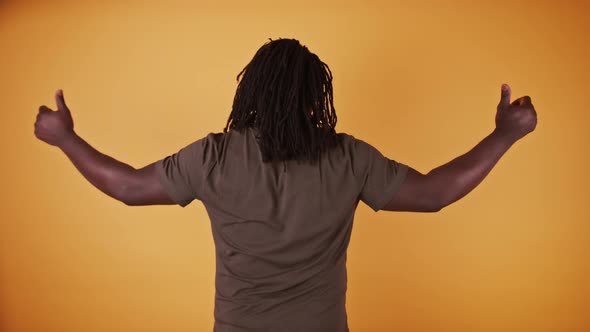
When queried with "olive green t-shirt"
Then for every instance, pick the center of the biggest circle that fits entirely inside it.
(281, 231)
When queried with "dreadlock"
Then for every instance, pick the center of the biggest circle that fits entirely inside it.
(285, 93)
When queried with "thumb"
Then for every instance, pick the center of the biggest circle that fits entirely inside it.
(505, 96)
(59, 100)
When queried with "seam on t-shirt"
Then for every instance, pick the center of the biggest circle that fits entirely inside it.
(402, 171)
(171, 190)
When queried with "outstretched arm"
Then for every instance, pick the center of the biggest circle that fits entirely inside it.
(114, 178)
(455, 179)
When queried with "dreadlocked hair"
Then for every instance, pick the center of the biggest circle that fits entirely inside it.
(285, 93)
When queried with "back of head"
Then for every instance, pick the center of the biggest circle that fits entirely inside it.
(285, 93)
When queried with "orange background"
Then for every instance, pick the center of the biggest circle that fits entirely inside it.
(419, 81)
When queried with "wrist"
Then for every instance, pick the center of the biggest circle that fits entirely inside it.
(68, 141)
(504, 136)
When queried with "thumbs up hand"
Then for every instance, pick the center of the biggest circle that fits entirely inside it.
(515, 119)
(54, 127)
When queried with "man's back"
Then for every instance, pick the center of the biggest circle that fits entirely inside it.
(281, 230)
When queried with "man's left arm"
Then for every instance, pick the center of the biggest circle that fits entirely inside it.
(114, 178)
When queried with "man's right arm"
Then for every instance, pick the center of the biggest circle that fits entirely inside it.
(455, 179)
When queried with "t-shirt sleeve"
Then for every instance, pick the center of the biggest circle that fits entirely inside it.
(181, 174)
(381, 176)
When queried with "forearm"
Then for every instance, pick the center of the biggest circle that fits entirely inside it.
(105, 173)
(458, 177)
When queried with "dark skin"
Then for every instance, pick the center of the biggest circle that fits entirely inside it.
(418, 193)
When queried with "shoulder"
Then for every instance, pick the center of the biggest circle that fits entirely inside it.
(216, 136)
(202, 145)
(212, 139)
(351, 142)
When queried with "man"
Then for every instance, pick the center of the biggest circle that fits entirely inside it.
(281, 188)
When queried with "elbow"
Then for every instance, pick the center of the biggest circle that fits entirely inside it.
(129, 200)
(434, 208)
(127, 189)
(126, 201)
(435, 205)
(129, 203)
(123, 196)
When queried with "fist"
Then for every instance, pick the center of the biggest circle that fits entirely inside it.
(515, 119)
(54, 127)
